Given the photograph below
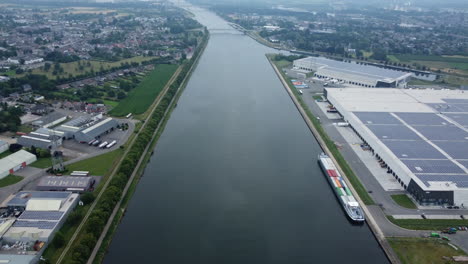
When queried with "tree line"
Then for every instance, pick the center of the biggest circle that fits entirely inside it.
(93, 228)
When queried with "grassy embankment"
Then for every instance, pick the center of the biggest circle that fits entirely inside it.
(99, 165)
(42, 163)
(9, 180)
(404, 201)
(424, 250)
(428, 224)
(141, 97)
(330, 143)
(74, 69)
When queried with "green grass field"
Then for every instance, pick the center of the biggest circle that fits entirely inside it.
(404, 201)
(140, 98)
(73, 68)
(282, 63)
(458, 63)
(392, 58)
(9, 180)
(423, 250)
(42, 163)
(428, 224)
(409, 57)
(4, 154)
(99, 165)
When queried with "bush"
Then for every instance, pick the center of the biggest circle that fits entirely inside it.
(87, 197)
(15, 147)
(59, 240)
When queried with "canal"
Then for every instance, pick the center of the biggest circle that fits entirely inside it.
(234, 177)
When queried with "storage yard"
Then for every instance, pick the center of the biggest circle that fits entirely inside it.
(419, 136)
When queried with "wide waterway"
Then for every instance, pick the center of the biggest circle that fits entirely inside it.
(234, 177)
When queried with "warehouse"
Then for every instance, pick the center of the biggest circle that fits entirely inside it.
(65, 183)
(95, 130)
(15, 162)
(39, 140)
(353, 73)
(49, 120)
(44, 213)
(421, 136)
(3, 146)
(73, 126)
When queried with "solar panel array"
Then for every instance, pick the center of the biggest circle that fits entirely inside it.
(415, 149)
(426, 119)
(427, 143)
(449, 132)
(444, 166)
(41, 215)
(461, 119)
(393, 132)
(464, 162)
(460, 179)
(456, 149)
(36, 224)
(377, 118)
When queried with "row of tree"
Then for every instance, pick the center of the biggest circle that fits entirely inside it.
(93, 228)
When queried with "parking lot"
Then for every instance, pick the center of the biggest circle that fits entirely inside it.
(72, 149)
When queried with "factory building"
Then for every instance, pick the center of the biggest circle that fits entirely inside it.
(73, 126)
(43, 213)
(3, 146)
(65, 183)
(96, 130)
(353, 73)
(49, 120)
(39, 140)
(420, 136)
(15, 162)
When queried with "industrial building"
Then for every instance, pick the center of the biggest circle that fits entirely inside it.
(39, 140)
(3, 146)
(49, 120)
(353, 73)
(96, 130)
(43, 214)
(72, 127)
(65, 183)
(420, 136)
(15, 162)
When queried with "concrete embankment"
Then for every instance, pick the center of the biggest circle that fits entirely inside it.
(370, 219)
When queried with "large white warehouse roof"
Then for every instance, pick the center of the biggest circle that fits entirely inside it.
(421, 134)
(14, 161)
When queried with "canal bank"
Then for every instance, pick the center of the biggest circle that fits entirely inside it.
(234, 178)
(119, 211)
(379, 235)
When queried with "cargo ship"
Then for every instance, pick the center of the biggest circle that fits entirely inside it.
(341, 189)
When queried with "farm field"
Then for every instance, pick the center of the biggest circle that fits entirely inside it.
(73, 68)
(141, 97)
(448, 64)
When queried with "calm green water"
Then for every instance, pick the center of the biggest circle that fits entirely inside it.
(234, 177)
